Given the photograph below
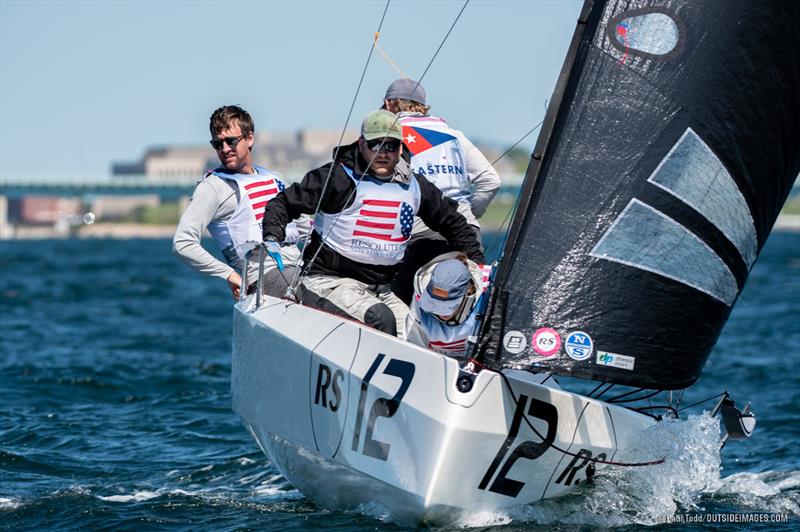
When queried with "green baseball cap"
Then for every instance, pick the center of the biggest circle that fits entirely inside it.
(380, 124)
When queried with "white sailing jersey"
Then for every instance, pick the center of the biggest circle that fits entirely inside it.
(374, 229)
(242, 231)
(437, 154)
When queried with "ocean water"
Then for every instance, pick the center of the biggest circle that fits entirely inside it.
(115, 410)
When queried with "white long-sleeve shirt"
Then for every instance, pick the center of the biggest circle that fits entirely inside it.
(213, 199)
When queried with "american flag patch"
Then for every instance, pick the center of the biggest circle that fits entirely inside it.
(259, 193)
(379, 218)
(455, 347)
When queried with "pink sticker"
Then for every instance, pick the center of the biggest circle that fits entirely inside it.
(546, 341)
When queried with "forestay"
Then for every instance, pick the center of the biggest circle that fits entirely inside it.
(670, 146)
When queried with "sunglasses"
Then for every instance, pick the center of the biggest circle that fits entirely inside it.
(389, 146)
(230, 141)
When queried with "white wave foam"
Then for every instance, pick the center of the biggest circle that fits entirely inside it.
(276, 486)
(9, 504)
(623, 496)
(136, 497)
(768, 491)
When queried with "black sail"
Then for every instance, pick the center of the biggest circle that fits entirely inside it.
(671, 143)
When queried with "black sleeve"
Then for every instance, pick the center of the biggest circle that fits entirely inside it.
(440, 213)
(302, 198)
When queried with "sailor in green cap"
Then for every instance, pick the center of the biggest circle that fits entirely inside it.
(364, 203)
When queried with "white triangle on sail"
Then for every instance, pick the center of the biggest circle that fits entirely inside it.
(693, 173)
(645, 238)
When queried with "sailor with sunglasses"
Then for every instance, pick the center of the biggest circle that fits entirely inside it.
(365, 202)
(446, 158)
(444, 310)
(229, 201)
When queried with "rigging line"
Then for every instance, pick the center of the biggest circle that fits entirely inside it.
(576, 455)
(643, 410)
(601, 392)
(647, 394)
(453, 25)
(680, 398)
(307, 266)
(512, 211)
(341, 137)
(701, 402)
(324, 237)
(385, 56)
(596, 388)
(534, 128)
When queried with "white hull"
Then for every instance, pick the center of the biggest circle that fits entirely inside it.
(350, 415)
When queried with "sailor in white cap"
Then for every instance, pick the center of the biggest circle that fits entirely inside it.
(444, 310)
(446, 158)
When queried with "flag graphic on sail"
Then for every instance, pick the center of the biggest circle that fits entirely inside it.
(380, 219)
(419, 139)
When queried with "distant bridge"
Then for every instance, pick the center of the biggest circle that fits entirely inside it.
(166, 189)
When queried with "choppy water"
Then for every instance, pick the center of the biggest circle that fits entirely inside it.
(115, 410)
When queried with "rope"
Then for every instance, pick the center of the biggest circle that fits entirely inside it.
(512, 212)
(388, 59)
(576, 455)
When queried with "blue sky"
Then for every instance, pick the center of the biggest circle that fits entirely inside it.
(83, 84)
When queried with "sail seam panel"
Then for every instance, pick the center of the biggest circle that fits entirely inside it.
(631, 248)
(680, 173)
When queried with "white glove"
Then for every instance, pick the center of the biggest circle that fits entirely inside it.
(292, 234)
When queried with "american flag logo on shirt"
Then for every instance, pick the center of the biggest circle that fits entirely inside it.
(259, 193)
(379, 218)
(448, 348)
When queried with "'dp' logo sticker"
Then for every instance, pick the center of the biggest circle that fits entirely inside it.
(546, 341)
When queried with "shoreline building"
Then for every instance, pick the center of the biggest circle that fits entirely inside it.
(291, 154)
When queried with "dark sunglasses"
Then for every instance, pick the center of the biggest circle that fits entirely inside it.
(230, 141)
(390, 146)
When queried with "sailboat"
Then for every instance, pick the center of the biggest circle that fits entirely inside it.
(670, 144)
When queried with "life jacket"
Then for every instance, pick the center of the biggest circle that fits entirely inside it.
(242, 231)
(374, 229)
(436, 154)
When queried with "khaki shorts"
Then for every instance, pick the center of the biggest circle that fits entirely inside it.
(354, 298)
